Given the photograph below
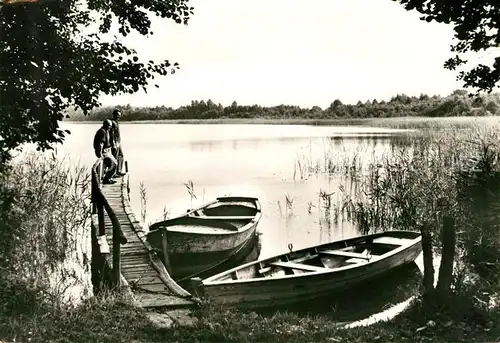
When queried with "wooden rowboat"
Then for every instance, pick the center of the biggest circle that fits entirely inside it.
(208, 236)
(310, 273)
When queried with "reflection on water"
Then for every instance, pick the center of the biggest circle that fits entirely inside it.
(360, 302)
(249, 253)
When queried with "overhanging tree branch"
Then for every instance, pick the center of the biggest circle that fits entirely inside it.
(477, 28)
(48, 63)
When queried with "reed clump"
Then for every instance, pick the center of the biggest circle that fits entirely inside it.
(453, 173)
(143, 194)
(309, 207)
(446, 169)
(44, 210)
(190, 189)
(301, 169)
(289, 203)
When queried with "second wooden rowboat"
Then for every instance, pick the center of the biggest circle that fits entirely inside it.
(310, 273)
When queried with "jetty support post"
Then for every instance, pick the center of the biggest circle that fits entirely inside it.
(195, 285)
(97, 204)
(96, 184)
(117, 264)
(448, 254)
(98, 263)
(428, 281)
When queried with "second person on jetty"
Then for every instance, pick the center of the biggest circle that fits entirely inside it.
(116, 144)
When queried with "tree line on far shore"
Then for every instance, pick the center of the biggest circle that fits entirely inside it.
(458, 103)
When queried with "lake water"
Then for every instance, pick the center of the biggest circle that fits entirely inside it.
(263, 161)
(271, 162)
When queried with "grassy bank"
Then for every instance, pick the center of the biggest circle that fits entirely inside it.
(392, 123)
(249, 121)
(113, 319)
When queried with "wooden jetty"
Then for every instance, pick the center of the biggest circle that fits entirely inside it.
(127, 262)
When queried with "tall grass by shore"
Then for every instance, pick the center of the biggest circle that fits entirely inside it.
(442, 171)
(44, 210)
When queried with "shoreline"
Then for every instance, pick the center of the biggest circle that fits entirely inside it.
(298, 121)
(249, 121)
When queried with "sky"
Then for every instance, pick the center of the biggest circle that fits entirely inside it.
(295, 52)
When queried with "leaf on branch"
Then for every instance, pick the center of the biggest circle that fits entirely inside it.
(476, 25)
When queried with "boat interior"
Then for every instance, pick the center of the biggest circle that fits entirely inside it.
(323, 258)
(229, 208)
(225, 216)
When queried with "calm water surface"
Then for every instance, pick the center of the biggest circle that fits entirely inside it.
(247, 160)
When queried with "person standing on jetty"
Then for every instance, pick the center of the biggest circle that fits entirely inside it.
(102, 149)
(116, 144)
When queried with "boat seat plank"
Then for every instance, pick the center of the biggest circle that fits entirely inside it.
(299, 266)
(202, 227)
(391, 240)
(304, 258)
(264, 270)
(345, 254)
(347, 248)
(227, 217)
(355, 261)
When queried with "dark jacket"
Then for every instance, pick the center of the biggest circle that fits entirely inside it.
(102, 136)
